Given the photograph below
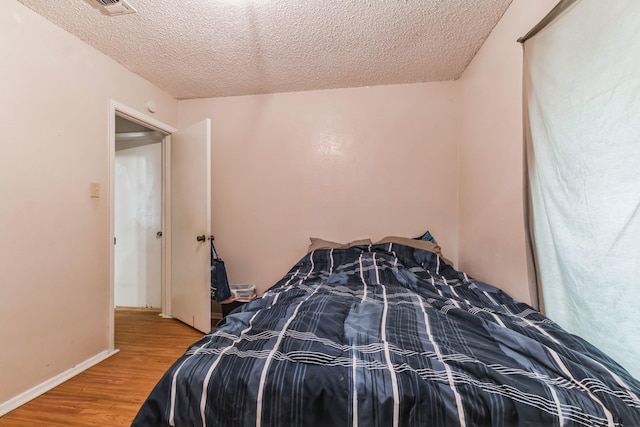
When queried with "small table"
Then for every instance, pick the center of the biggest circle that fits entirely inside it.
(228, 307)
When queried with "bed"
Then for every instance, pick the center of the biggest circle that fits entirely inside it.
(389, 334)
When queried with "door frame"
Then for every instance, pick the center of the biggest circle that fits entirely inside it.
(118, 109)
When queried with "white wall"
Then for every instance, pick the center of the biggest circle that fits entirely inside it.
(337, 164)
(492, 240)
(54, 256)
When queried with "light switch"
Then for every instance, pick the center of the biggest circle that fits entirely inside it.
(94, 190)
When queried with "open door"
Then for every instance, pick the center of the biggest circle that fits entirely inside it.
(191, 225)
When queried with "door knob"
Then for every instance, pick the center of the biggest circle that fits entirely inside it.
(158, 234)
(201, 238)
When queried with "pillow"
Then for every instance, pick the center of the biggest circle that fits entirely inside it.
(418, 244)
(427, 237)
(317, 243)
(414, 243)
(359, 243)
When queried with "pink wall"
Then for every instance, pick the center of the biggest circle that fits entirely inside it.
(54, 257)
(338, 164)
(492, 240)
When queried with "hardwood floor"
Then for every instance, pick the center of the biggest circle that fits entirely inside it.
(110, 393)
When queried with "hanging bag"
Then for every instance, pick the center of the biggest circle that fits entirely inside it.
(220, 290)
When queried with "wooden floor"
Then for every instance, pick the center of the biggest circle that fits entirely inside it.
(110, 393)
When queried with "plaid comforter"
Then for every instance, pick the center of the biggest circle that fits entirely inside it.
(390, 335)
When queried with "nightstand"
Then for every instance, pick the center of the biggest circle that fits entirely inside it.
(230, 306)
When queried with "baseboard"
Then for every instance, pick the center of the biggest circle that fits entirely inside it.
(43, 387)
(149, 309)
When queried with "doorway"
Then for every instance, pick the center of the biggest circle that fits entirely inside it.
(138, 216)
(185, 256)
(123, 119)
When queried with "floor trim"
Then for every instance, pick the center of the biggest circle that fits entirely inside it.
(51, 383)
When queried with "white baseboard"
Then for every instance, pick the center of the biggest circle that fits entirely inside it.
(47, 385)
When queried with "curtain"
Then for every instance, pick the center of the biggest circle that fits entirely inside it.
(582, 145)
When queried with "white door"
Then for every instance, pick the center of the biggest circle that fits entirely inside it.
(138, 219)
(191, 219)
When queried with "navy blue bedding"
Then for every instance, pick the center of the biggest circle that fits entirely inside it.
(389, 335)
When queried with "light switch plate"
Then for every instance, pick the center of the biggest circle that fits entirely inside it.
(94, 190)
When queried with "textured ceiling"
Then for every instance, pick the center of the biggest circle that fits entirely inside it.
(212, 48)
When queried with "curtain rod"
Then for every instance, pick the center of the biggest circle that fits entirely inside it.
(548, 19)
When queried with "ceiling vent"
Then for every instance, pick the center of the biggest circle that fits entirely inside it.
(112, 7)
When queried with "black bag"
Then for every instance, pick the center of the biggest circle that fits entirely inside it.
(220, 290)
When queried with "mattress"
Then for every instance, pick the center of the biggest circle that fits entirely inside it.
(390, 335)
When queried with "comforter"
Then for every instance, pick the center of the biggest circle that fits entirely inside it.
(390, 335)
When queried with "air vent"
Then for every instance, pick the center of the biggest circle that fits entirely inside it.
(112, 7)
